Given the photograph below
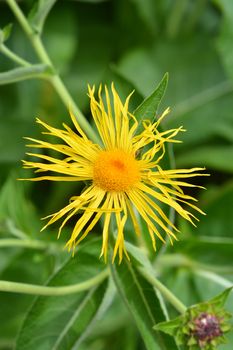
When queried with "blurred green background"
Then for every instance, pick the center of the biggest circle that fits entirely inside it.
(133, 43)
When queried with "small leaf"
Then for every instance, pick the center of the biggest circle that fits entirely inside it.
(61, 322)
(5, 33)
(39, 14)
(169, 327)
(143, 303)
(23, 73)
(148, 108)
(221, 298)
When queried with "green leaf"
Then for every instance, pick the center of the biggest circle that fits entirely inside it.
(221, 298)
(61, 322)
(23, 73)
(5, 33)
(143, 303)
(148, 108)
(169, 327)
(39, 13)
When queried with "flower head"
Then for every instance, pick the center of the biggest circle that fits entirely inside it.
(124, 174)
(203, 326)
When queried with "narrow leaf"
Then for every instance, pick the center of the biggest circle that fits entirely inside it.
(143, 303)
(221, 298)
(148, 108)
(23, 73)
(61, 322)
(39, 13)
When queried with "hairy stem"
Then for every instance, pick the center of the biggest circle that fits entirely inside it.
(14, 287)
(54, 79)
(178, 305)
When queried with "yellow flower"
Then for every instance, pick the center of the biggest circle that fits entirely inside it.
(124, 176)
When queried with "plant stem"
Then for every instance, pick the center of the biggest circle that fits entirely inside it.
(14, 57)
(178, 305)
(27, 243)
(54, 79)
(14, 242)
(14, 287)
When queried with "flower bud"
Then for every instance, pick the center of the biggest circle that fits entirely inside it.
(202, 326)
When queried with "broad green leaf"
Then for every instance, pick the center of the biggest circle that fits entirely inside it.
(5, 33)
(143, 303)
(213, 157)
(39, 13)
(61, 322)
(23, 73)
(148, 108)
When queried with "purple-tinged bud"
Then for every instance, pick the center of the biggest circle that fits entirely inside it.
(206, 328)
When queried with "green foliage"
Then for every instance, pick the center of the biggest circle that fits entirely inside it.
(133, 43)
(143, 302)
(148, 109)
(63, 321)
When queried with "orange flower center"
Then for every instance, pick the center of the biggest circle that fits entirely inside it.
(116, 171)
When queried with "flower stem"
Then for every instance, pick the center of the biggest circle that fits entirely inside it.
(54, 79)
(14, 242)
(8, 53)
(15, 287)
(27, 243)
(178, 305)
